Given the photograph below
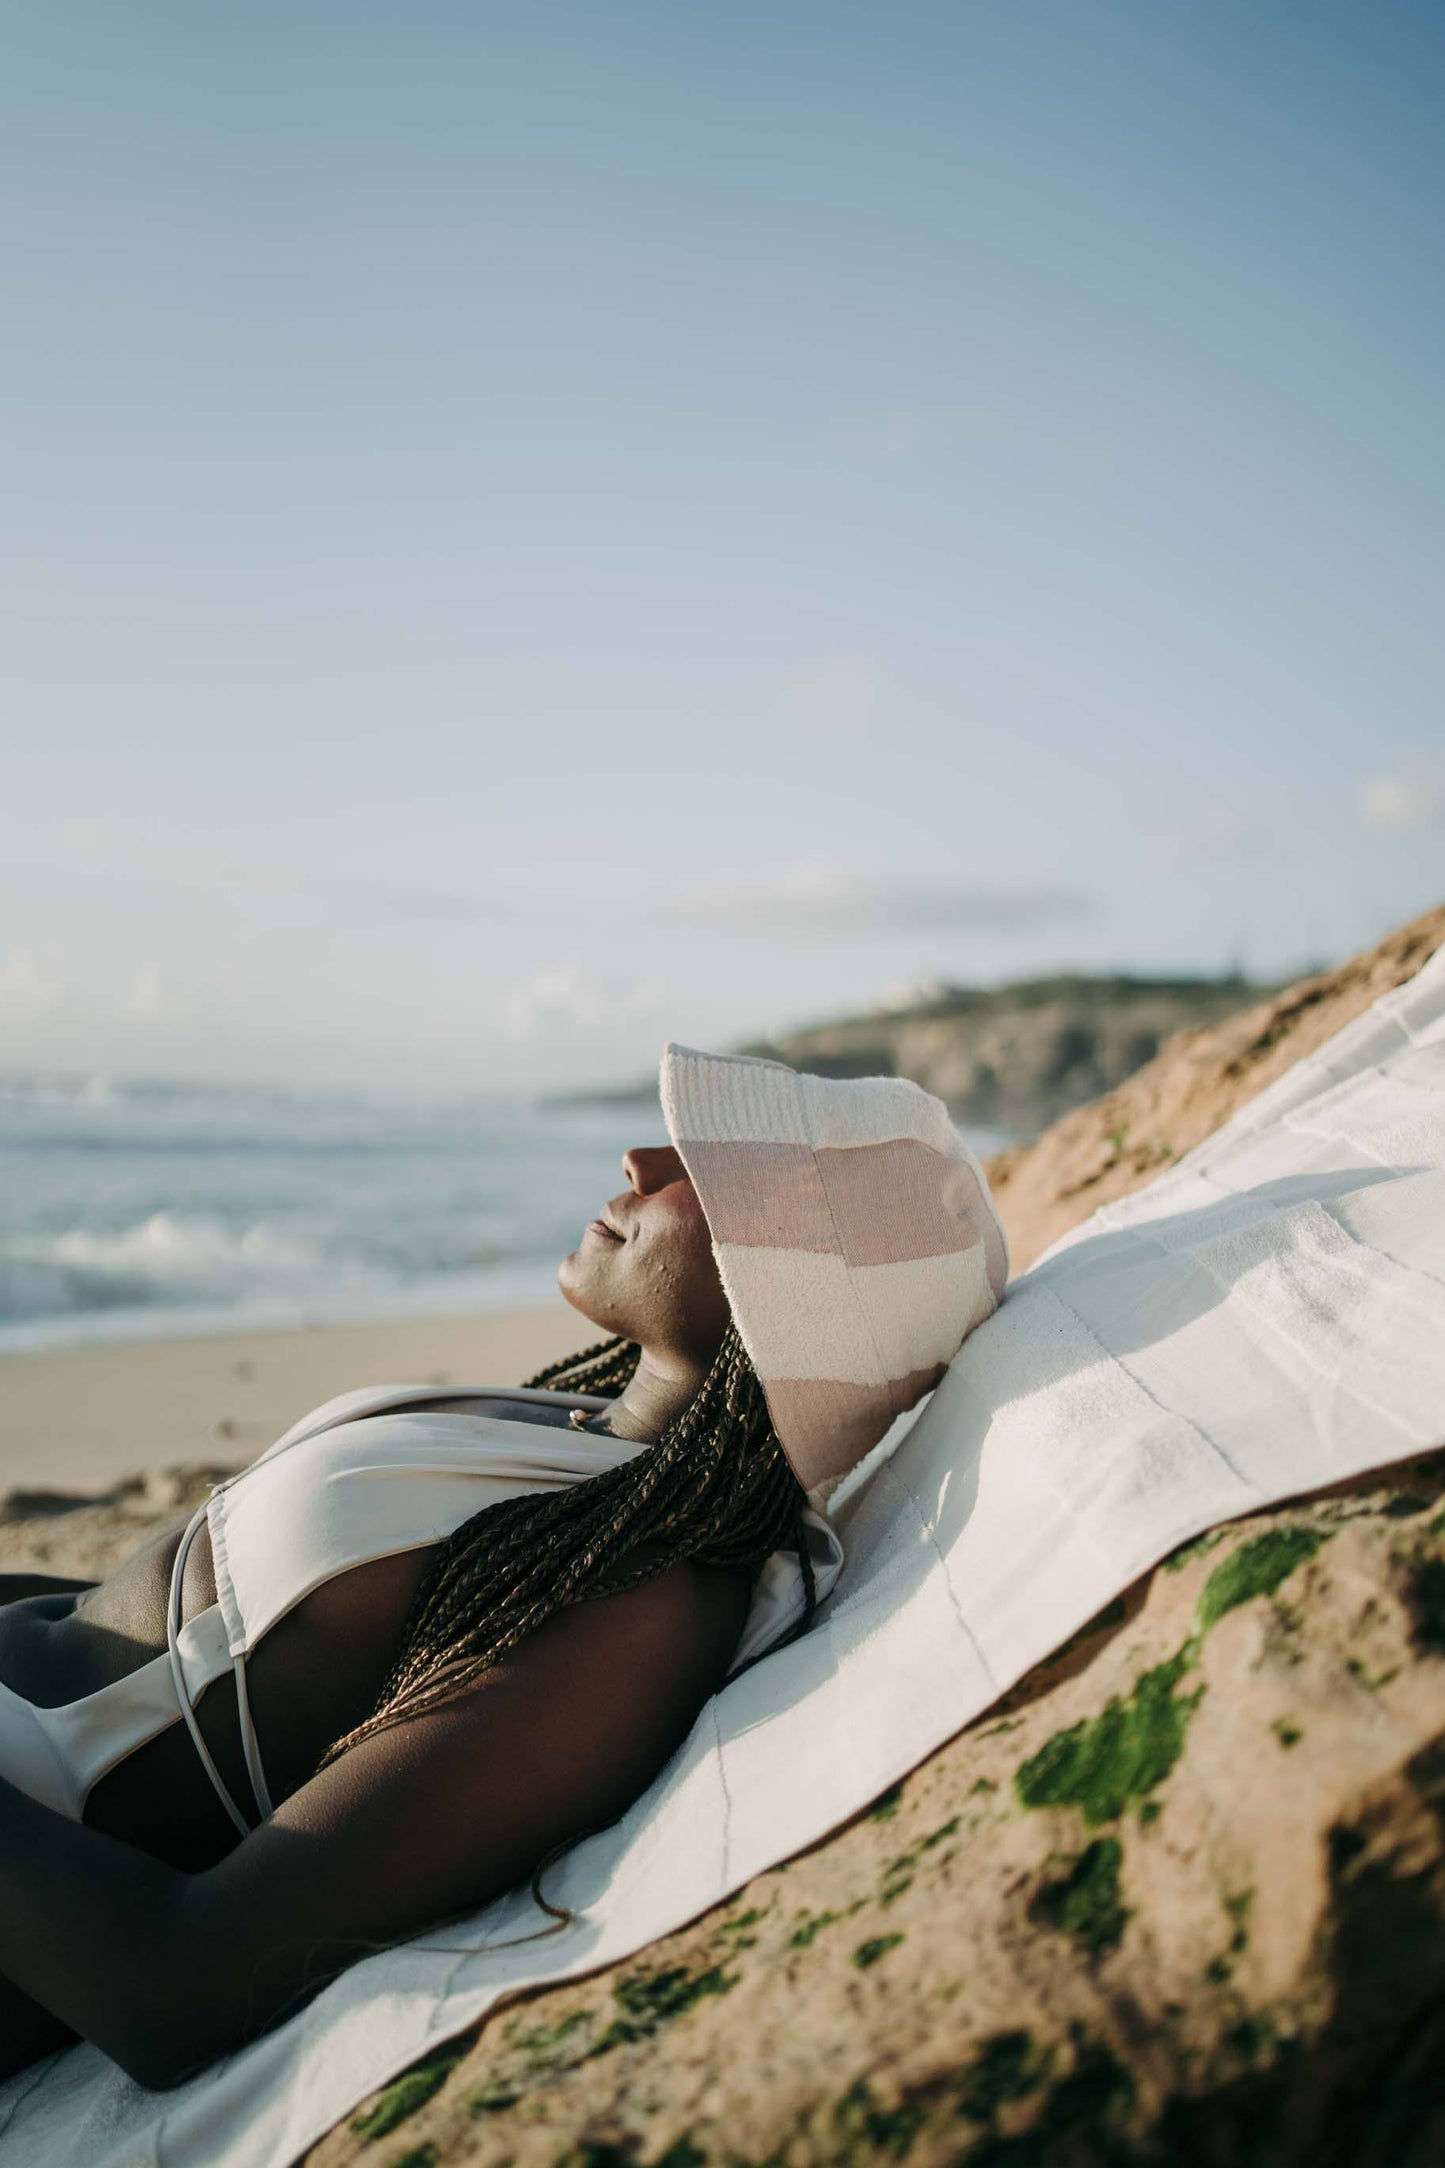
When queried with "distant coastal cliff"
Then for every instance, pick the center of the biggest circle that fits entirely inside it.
(1015, 1057)
(1009, 1057)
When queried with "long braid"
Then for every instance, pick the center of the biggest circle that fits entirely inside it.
(604, 1369)
(716, 1487)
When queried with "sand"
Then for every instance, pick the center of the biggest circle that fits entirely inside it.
(83, 1418)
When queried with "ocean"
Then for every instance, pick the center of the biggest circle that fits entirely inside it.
(133, 1210)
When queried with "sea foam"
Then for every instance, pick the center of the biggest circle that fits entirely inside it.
(132, 1209)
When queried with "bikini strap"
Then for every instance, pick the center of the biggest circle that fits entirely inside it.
(183, 1695)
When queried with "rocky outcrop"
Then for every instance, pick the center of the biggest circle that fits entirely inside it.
(1011, 1057)
(1015, 1057)
(1119, 1142)
(1179, 1898)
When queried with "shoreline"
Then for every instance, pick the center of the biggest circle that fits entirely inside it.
(501, 1292)
(81, 1417)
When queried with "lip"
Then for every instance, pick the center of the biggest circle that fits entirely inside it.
(604, 1227)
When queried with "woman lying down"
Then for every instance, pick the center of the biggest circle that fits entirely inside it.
(430, 1636)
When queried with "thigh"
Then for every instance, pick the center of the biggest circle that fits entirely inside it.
(14, 1587)
(27, 2031)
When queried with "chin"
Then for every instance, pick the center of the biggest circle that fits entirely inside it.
(572, 1282)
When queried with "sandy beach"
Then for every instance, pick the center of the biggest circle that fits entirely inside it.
(81, 1419)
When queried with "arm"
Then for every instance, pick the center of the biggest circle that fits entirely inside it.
(164, 1970)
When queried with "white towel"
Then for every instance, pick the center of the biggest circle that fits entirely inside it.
(1267, 1317)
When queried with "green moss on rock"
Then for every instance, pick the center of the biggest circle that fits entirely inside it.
(860, 2119)
(899, 1872)
(412, 2090)
(813, 1923)
(1007, 2067)
(1085, 1903)
(1427, 1603)
(1254, 2037)
(542, 2042)
(1256, 1568)
(1083, 2119)
(1188, 1552)
(1099, 1765)
(869, 1952)
(736, 1934)
(1239, 1909)
(649, 2000)
(494, 2096)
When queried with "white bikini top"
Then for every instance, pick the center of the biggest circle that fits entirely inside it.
(367, 1475)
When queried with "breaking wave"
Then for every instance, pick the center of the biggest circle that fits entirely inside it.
(138, 1209)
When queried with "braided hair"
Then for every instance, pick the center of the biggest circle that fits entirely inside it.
(716, 1488)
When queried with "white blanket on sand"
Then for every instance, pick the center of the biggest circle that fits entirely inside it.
(1267, 1317)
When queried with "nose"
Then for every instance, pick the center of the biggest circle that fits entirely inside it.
(650, 1167)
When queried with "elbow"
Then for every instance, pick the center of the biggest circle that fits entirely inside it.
(163, 2038)
(178, 2045)
(161, 2065)
(164, 2058)
(182, 2041)
(160, 2048)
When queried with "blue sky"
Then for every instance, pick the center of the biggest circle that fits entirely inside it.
(531, 530)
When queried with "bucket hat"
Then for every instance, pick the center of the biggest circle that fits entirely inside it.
(855, 1235)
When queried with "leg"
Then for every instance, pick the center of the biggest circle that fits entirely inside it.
(14, 1586)
(26, 2030)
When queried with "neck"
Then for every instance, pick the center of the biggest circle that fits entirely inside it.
(655, 1395)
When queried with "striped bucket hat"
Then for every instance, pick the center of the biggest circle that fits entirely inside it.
(855, 1234)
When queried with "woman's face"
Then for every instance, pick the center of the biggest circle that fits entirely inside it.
(645, 1269)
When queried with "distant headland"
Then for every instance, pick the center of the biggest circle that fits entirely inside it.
(1011, 1057)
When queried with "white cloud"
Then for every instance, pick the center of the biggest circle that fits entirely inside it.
(31, 987)
(1411, 795)
(840, 697)
(566, 998)
(822, 897)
